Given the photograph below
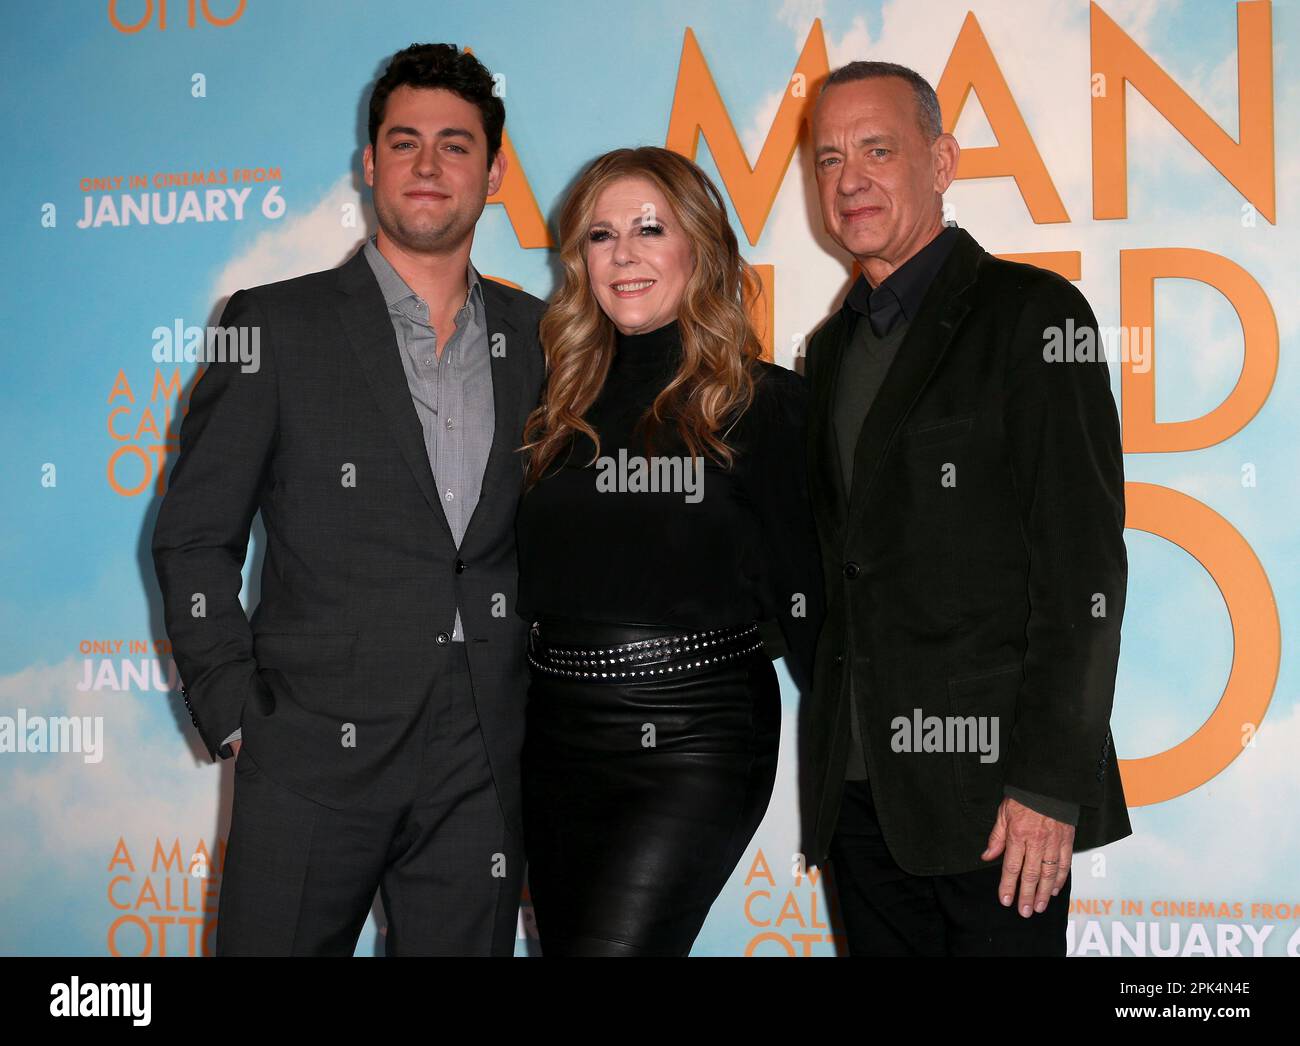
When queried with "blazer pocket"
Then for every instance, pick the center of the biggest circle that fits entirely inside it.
(939, 431)
(316, 653)
(983, 712)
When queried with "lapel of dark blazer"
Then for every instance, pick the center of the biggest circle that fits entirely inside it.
(369, 330)
(826, 475)
(370, 334)
(508, 342)
(928, 336)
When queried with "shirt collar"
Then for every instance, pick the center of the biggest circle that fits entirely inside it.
(904, 289)
(396, 290)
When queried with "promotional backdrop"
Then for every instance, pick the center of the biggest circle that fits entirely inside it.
(165, 153)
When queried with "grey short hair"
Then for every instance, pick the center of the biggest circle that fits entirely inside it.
(927, 102)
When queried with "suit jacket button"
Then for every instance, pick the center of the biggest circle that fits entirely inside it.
(839, 659)
(443, 639)
(460, 566)
(851, 570)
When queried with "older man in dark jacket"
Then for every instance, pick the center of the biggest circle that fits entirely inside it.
(969, 494)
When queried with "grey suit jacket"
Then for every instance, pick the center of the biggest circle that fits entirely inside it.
(362, 577)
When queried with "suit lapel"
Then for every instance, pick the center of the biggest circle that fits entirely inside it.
(506, 346)
(826, 488)
(370, 334)
(927, 339)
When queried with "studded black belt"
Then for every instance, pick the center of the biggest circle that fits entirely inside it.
(655, 656)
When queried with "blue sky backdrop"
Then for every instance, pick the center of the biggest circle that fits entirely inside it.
(286, 88)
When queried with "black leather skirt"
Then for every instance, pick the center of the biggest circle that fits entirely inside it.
(648, 763)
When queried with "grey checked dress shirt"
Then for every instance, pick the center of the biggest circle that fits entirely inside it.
(452, 393)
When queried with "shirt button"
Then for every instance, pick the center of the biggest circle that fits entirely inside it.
(427, 360)
(450, 495)
(449, 424)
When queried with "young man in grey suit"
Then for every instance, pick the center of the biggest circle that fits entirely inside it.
(969, 494)
(374, 704)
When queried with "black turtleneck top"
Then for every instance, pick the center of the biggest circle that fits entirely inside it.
(742, 548)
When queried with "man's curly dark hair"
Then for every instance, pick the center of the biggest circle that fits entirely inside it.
(447, 67)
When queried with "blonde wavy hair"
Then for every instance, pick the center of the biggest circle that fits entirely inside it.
(719, 345)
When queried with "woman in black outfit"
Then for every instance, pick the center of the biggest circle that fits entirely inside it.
(665, 515)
